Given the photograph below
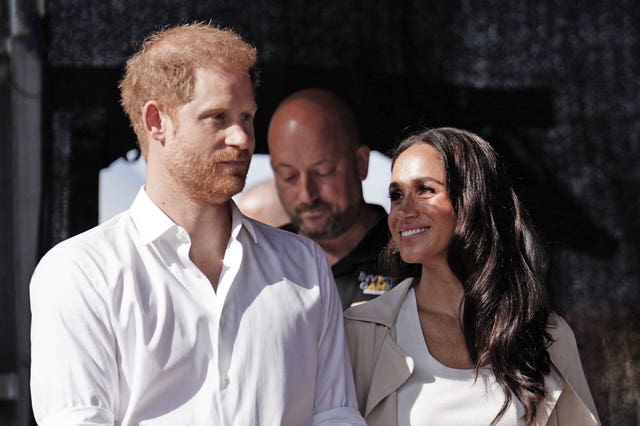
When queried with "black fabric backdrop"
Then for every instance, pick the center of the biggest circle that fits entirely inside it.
(553, 85)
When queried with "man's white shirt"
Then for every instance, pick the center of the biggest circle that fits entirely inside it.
(127, 330)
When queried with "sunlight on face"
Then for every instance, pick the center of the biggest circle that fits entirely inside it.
(421, 220)
(209, 152)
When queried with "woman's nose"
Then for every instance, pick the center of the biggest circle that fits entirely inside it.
(407, 208)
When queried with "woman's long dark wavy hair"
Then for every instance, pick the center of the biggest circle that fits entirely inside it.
(497, 256)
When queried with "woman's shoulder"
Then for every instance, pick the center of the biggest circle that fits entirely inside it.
(561, 333)
(565, 357)
(563, 348)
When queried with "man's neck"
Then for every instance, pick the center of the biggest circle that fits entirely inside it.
(208, 226)
(338, 247)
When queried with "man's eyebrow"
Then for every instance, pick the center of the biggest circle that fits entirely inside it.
(281, 165)
(316, 163)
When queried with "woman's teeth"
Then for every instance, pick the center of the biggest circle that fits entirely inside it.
(413, 231)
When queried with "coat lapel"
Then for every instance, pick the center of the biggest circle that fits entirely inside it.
(393, 368)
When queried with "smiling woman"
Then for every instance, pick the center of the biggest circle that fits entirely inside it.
(422, 220)
(469, 331)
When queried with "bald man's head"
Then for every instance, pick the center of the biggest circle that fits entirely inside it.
(318, 162)
(320, 111)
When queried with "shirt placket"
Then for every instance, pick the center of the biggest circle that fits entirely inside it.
(202, 290)
(228, 326)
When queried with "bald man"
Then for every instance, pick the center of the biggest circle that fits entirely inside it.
(319, 165)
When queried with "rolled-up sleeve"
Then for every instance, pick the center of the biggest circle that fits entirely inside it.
(73, 361)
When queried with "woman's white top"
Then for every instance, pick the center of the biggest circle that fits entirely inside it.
(439, 395)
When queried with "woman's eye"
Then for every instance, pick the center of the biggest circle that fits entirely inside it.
(247, 117)
(217, 116)
(395, 196)
(424, 189)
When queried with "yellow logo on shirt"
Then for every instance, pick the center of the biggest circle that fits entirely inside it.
(374, 283)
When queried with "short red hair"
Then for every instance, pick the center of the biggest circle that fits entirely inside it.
(163, 69)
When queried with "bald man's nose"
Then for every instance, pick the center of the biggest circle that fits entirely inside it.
(308, 189)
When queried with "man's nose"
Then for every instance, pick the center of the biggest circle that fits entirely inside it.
(240, 137)
(308, 190)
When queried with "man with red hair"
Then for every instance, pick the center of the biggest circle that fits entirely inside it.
(182, 311)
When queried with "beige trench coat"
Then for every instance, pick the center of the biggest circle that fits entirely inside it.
(380, 367)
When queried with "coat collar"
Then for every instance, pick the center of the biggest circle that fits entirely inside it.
(383, 309)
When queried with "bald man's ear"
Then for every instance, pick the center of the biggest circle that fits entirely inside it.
(155, 121)
(362, 161)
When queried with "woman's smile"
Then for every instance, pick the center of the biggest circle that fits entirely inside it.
(414, 231)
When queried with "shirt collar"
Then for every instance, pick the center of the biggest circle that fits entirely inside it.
(151, 222)
(238, 220)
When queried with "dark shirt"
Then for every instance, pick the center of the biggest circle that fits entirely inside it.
(359, 275)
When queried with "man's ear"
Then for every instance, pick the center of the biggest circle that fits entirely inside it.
(362, 161)
(155, 121)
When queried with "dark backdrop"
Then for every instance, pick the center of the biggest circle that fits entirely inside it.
(553, 85)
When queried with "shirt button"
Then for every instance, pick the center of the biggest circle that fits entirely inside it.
(226, 380)
(181, 233)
